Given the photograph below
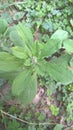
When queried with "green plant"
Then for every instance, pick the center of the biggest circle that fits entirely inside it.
(70, 111)
(54, 110)
(58, 127)
(45, 16)
(3, 25)
(13, 125)
(69, 105)
(70, 87)
(28, 59)
(67, 98)
(1, 82)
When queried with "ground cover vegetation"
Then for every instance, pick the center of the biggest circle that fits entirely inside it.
(36, 65)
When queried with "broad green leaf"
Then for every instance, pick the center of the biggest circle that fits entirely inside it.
(15, 38)
(50, 47)
(37, 48)
(8, 75)
(71, 65)
(3, 25)
(41, 67)
(22, 36)
(42, 50)
(68, 45)
(8, 32)
(19, 52)
(58, 127)
(71, 62)
(25, 86)
(25, 35)
(9, 63)
(60, 35)
(58, 69)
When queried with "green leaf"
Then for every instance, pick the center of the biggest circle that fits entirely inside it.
(6, 15)
(3, 25)
(25, 86)
(60, 35)
(37, 48)
(41, 67)
(71, 65)
(13, 125)
(50, 47)
(58, 127)
(9, 63)
(25, 34)
(58, 69)
(17, 16)
(54, 110)
(31, 128)
(19, 52)
(22, 36)
(1, 82)
(71, 22)
(68, 45)
(48, 25)
(8, 75)
(15, 38)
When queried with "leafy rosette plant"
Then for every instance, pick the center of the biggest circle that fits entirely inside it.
(26, 60)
